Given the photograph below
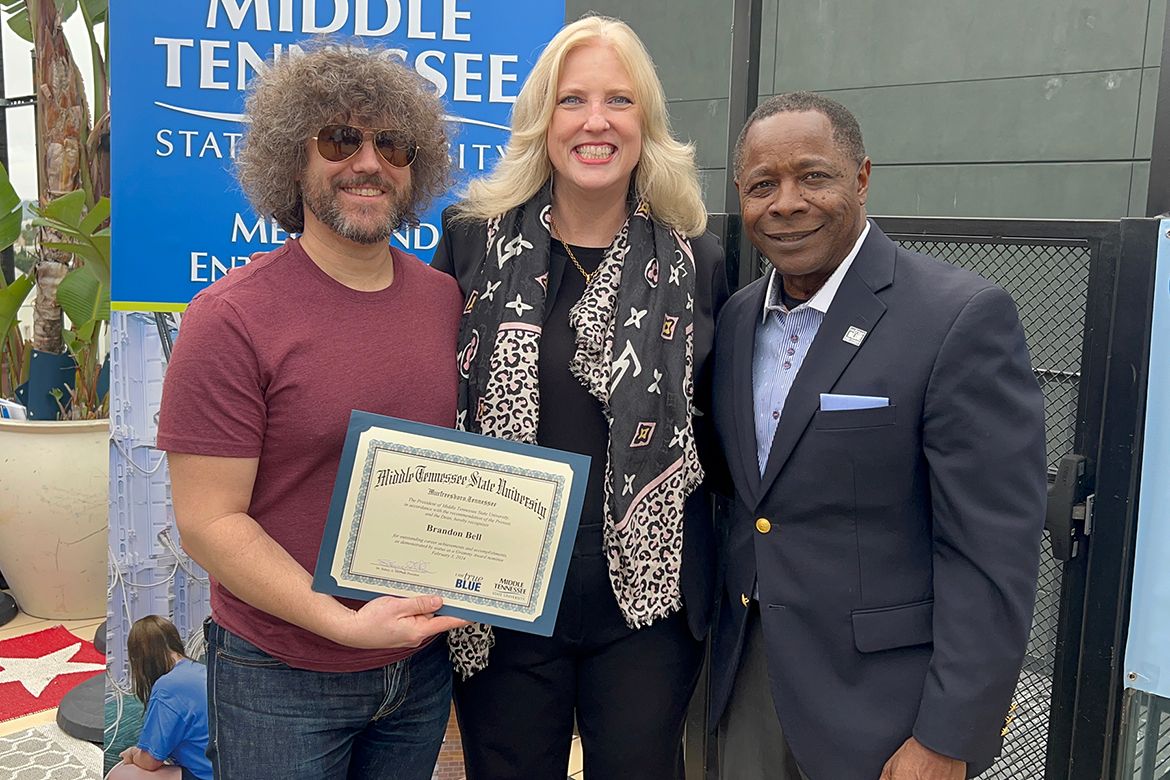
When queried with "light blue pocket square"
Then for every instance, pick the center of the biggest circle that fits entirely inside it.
(831, 402)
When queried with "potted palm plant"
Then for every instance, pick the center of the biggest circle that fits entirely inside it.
(53, 466)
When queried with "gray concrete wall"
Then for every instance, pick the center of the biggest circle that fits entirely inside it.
(1001, 109)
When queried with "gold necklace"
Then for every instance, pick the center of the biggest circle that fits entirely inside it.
(553, 223)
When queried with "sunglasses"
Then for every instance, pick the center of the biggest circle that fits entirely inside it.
(337, 143)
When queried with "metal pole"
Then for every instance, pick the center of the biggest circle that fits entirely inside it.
(1158, 189)
(744, 94)
(8, 608)
(8, 256)
(701, 748)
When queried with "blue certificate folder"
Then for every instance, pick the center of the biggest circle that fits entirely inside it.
(540, 619)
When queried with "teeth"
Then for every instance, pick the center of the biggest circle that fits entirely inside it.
(595, 152)
(366, 191)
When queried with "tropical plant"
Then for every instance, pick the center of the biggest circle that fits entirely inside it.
(13, 354)
(72, 271)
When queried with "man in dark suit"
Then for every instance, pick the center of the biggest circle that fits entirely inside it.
(885, 438)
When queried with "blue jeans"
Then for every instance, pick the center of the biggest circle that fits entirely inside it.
(268, 720)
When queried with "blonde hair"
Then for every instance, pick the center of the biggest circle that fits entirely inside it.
(666, 176)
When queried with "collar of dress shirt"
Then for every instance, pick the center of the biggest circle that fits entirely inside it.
(824, 296)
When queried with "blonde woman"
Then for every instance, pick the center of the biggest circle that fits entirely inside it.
(592, 289)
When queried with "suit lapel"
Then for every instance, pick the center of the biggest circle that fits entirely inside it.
(744, 403)
(854, 305)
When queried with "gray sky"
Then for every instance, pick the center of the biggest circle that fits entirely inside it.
(22, 163)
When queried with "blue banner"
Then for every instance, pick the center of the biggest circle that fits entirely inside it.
(179, 71)
(1147, 653)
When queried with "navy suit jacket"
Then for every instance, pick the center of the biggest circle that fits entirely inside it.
(897, 580)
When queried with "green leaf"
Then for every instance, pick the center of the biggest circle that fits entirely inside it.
(9, 200)
(96, 9)
(20, 24)
(72, 247)
(66, 208)
(96, 216)
(84, 333)
(11, 298)
(9, 229)
(11, 212)
(101, 242)
(80, 296)
(65, 9)
(98, 260)
(53, 224)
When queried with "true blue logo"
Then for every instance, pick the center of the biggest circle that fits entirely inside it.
(469, 582)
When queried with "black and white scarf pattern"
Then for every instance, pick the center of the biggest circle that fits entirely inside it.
(634, 329)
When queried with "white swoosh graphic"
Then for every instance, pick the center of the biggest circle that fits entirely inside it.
(226, 117)
(465, 121)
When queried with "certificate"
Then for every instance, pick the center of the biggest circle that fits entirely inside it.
(487, 524)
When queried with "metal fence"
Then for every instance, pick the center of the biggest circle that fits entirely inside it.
(1149, 738)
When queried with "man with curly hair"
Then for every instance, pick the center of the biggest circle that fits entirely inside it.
(344, 146)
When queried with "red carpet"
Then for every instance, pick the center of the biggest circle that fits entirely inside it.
(38, 669)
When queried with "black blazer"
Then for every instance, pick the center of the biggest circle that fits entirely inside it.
(897, 580)
(460, 252)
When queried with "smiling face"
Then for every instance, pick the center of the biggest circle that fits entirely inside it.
(595, 135)
(361, 199)
(802, 198)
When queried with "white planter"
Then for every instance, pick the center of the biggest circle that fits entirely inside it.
(54, 514)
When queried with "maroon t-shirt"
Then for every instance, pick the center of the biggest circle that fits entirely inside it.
(269, 362)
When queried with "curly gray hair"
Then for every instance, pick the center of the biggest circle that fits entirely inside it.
(297, 95)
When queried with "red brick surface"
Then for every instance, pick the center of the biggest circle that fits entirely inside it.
(450, 764)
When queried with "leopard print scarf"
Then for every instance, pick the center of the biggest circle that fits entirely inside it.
(634, 332)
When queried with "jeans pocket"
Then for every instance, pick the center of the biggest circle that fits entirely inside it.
(234, 649)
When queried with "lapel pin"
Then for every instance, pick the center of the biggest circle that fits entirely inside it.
(854, 336)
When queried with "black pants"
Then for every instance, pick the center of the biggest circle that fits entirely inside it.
(629, 690)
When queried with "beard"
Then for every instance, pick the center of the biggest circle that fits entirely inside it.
(371, 224)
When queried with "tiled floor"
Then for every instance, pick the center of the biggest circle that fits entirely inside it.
(84, 629)
(575, 770)
(24, 624)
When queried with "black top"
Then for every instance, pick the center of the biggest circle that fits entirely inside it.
(570, 417)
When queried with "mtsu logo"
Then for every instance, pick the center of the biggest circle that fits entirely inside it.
(469, 582)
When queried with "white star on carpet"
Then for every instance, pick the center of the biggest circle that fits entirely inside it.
(35, 674)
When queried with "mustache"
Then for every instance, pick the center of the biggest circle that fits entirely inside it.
(373, 180)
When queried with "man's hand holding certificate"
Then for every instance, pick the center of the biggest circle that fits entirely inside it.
(486, 524)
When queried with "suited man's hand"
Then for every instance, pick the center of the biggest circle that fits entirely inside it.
(915, 761)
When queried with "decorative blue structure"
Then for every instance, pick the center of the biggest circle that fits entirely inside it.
(149, 574)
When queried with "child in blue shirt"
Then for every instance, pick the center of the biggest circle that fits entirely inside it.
(174, 690)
